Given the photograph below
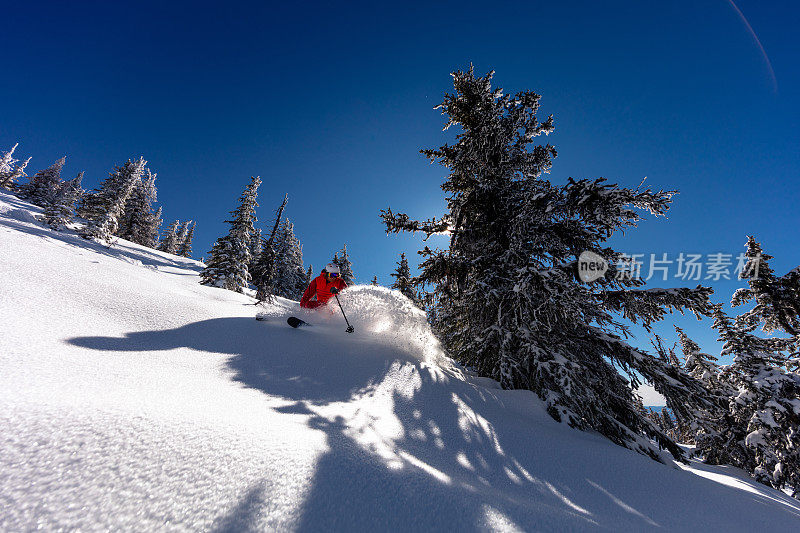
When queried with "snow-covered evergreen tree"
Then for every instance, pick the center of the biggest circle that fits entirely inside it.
(43, 187)
(61, 210)
(764, 409)
(265, 269)
(509, 302)
(155, 230)
(95, 205)
(700, 365)
(139, 222)
(10, 169)
(8, 179)
(227, 265)
(705, 425)
(7, 160)
(402, 279)
(345, 266)
(290, 275)
(777, 300)
(256, 242)
(171, 239)
(309, 275)
(185, 248)
(113, 195)
(183, 232)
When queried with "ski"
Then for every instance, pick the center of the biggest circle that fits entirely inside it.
(296, 322)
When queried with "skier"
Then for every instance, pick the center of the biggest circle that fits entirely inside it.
(323, 287)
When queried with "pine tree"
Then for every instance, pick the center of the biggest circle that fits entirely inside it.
(374, 281)
(228, 261)
(704, 424)
(309, 275)
(290, 275)
(256, 244)
(7, 160)
(185, 249)
(61, 210)
(44, 185)
(139, 223)
(154, 230)
(698, 364)
(10, 170)
(509, 303)
(171, 239)
(345, 266)
(402, 283)
(183, 233)
(264, 270)
(764, 417)
(95, 205)
(113, 195)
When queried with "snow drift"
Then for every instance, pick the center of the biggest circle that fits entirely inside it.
(134, 398)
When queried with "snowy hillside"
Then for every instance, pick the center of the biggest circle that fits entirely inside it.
(134, 398)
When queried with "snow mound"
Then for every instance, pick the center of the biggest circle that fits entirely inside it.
(22, 215)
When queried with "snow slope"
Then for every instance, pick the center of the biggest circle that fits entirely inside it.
(134, 398)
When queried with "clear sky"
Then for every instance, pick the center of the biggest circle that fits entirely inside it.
(330, 102)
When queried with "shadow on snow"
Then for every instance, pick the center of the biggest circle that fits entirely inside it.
(455, 461)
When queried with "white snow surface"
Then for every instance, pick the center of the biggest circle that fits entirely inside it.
(132, 398)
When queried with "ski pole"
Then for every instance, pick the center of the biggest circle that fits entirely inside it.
(349, 327)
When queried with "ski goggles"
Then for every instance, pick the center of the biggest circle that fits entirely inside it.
(333, 275)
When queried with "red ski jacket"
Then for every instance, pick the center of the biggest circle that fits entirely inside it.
(320, 289)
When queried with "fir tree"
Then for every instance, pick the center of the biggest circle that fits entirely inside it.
(290, 275)
(704, 424)
(509, 303)
(256, 244)
(171, 239)
(7, 160)
(113, 195)
(139, 223)
(228, 261)
(44, 185)
(10, 170)
(402, 283)
(345, 266)
(699, 365)
(95, 205)
(763, 410)
(264, 270)
(374, 281)
(309, 275)
(155, 229)
(185, 249)
(183, 232)
(61, 210)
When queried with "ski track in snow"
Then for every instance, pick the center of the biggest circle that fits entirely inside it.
(133, 398)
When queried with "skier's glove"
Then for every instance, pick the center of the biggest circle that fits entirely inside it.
(334, 290)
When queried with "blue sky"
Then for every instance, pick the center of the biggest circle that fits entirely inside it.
(331, 102)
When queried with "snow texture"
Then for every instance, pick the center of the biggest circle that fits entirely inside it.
(134, 398)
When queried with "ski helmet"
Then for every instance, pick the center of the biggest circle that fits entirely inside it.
(332, 268)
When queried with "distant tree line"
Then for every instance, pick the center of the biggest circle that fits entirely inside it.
(121, 206)
(273, 264)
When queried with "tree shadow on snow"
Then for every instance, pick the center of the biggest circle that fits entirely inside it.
(454, 462)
